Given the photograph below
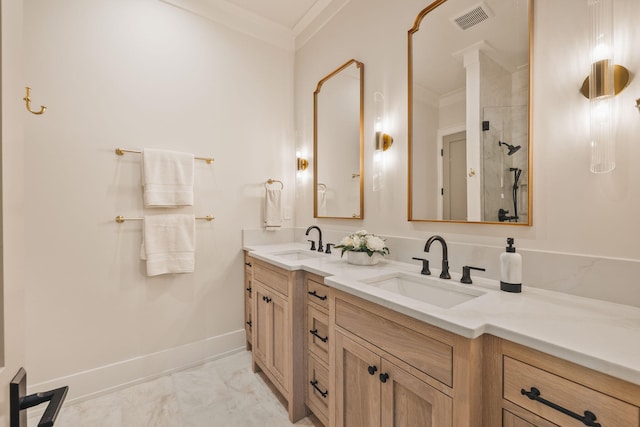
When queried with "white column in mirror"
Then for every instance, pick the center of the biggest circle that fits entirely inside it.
(601, 86)
(473, 114)
(378, 154)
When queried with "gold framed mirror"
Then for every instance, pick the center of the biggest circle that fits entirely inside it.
(470, 150)
(338, 143)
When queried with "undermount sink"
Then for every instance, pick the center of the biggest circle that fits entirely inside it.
(298, 254)
(445, 294)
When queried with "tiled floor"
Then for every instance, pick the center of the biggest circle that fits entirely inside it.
(222, 393)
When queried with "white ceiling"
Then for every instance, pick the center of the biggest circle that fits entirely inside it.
(287, 13)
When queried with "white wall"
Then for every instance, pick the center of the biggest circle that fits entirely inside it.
(573, 210)
(134, 74)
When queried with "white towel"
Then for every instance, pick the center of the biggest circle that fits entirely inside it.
(167, 177)
(169, 244)
(273, 209)
(322, 202)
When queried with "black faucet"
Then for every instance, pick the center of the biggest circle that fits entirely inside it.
(445, 255)
(320, 248)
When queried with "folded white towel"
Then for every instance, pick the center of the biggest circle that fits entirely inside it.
(167, 177)
(169, 244)
(273, 209)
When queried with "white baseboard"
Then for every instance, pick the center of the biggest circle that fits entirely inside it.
(106, 379)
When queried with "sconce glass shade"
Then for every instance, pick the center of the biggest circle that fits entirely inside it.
(601, 87)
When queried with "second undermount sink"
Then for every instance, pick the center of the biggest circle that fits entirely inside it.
(441, 293)
(298, 254)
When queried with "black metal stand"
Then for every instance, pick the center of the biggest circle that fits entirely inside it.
(20, 402)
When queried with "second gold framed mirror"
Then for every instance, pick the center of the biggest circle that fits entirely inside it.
(470, 151)
(338, 143)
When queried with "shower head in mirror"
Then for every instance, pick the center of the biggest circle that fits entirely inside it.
(512, 148)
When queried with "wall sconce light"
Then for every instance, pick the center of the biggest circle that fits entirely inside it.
(302, 164)
(383, 141)
(605, 81)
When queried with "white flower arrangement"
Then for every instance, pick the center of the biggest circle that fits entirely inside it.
(361, 241)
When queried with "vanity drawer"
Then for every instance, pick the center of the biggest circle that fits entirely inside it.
(575, 397)
(318, 333)
(273, 277)
(318, 293)
(424, 353)
(317, 390)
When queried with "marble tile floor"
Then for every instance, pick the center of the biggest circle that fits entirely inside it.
(222, 393)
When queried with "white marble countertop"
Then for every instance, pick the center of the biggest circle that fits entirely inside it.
(596, 334)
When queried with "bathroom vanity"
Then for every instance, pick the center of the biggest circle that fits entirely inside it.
(335, 342)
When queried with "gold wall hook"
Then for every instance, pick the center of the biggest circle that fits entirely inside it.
(27, 99)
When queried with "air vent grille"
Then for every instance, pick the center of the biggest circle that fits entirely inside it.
(471, 18)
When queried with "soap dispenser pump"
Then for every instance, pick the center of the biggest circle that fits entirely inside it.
(510, 269)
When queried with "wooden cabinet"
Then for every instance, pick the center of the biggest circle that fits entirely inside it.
(392, 370)
(277, 315)
(318, 395)
(372, 391)
(248, 292)
(532, 388)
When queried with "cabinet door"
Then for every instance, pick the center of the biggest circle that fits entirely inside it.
(261, 324)
(278, 356)
(408, 401)
(357, 384)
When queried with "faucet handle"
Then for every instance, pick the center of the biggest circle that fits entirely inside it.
(313, 245)
(328, 251)
(466, 274)
(425, 266)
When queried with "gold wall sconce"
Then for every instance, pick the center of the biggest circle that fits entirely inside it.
(302, 164)
(27, 100)
(384, 141)
(604, 82)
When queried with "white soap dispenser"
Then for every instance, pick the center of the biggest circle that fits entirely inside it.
(510, 269)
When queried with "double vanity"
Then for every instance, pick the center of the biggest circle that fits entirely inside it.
(385, 345)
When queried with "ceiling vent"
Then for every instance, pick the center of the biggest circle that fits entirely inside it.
(473, 16)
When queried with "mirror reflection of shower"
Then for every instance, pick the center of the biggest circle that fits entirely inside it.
(503, 215)
(512, 148)
(505, 164)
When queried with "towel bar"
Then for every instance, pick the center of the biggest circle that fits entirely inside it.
(121, 151)
(120, 219)
(273, 181)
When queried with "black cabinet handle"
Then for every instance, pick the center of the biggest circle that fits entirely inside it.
(320, 297)
(314, 383)
(384, 377)
(249, 323)
(315, 332)
(266, 299)
(249, 290)
(589, 418)
(248, 264)
(372, 370)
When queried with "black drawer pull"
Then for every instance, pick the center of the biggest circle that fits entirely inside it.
(249, 323)
(314, 383)
(589, 418)
(384, 377)
(320, 297)
(249, 290)
(372, 369)
(248, 264)
(315, 333)
(266, 299)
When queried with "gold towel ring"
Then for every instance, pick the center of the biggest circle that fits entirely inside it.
(273, 181)
(27, 99)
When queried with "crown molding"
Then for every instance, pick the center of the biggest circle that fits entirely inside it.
(239, 19)
(246, 22)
